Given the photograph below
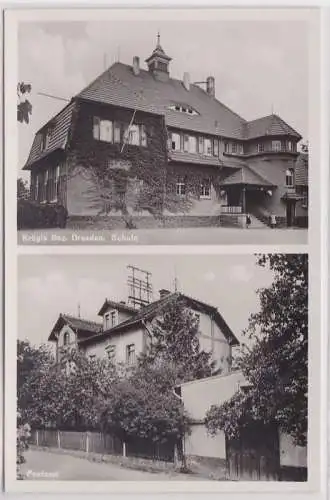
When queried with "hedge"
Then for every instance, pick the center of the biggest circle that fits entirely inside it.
(33, 215)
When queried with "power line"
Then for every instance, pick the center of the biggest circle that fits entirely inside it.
(53, 96)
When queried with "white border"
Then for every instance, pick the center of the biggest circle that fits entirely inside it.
(317, 341)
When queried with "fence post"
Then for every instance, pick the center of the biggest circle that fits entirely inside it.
(87, 442)
(58, 439)
(124, 449)
(37, 437)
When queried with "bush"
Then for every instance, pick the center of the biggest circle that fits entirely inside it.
(33, 215)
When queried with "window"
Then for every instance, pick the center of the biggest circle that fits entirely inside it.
(240, 149)
(276, 146)
(107, 321)
(102, 129)
(176, 145)
(134, 135)
(43, 192)
(57, 182)
(289, 174)
(226, 147)
(215, 147)
(234, 147)
(45, 138)
(116, 133)
(66, 338)
(186, 143)
(111, 352)
(192, 144)
(183, 109)
(113, 318)
(130, 354)
(261, 148)
(205, 189)
(201, 145)
(143, 136)
(181, 187)
(208, 147)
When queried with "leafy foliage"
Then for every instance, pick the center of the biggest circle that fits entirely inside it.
(24, 107)
(276, 366)
(174, 341)
(22, 437)
(23, 191)
(33, 215)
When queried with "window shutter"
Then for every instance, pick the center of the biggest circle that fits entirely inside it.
(96, 127)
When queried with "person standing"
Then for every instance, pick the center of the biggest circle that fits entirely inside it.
(248, 221)
(273, 221)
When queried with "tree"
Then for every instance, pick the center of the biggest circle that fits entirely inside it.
(24, 107)
(276, 366)
(23, 191)
(174, 341)
(69, 395)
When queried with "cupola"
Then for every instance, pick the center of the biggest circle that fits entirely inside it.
(158, 62)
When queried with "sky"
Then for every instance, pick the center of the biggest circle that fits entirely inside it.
(259, 66)
(52, 284)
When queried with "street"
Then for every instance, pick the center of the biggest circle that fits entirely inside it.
(48, 466)
(166, 236)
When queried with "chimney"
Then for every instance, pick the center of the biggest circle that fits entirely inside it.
(186, 81)
(163, 292)
(136, 65)
(210, 86)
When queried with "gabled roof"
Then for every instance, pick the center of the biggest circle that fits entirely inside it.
(301, 170)
(121, 306)
(246, 176)
(84, 327)
(120, 87)
(269, 125)
(150, 311)
(58, 129)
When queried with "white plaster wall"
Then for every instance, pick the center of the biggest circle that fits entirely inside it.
(72, 335)
(291, 455)
(213, 340)
(120, 340)
(198, 396)
(200, 443)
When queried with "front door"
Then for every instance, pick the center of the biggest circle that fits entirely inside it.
(290, 213)
(254, 456)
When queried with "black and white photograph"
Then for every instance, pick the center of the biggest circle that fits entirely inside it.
(163, 131)
(138, 370)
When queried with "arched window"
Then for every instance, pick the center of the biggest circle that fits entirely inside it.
(289, 176)
(66, 338)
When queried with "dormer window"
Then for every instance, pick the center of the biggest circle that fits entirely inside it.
(182, 108)
(45, 138)
(110, 319)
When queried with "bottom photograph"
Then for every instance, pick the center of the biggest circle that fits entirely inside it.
(162, 367)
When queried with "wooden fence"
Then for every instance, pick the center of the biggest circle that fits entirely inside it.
(97, 442)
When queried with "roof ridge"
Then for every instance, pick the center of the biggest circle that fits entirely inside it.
(70, 316)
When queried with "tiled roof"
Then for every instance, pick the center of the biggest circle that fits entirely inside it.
(58, 128)
(301, 170)
(246, 175)
(150, 310)
(120, 87)
(116, 305)
(181, 156)
(268, 125)
(83, 326)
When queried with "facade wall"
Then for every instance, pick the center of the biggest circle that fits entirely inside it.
(273, 168)
(213, 340)
(200, 443)
(72, 336)
(198, 396)
(121, 167)
(120, 340)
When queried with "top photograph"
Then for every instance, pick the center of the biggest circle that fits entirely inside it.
(166, 132)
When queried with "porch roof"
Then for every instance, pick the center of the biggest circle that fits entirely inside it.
(246, 176)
